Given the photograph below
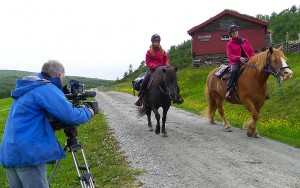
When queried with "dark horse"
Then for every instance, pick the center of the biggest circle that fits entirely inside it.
(161, 91)
(251, 86)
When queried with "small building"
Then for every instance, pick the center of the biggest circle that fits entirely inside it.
(209, 39)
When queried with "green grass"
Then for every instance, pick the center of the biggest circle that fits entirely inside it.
(107, 163)
(279, 117)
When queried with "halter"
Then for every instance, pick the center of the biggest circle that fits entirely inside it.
(166, 87)
(273, 70)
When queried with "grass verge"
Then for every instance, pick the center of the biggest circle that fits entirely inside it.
(107, 163)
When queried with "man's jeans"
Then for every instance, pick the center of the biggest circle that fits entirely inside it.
(28, 177)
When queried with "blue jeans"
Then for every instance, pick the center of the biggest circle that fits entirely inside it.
(28, 177)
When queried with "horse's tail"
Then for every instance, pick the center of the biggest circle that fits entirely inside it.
(142, 111)
(211, 102)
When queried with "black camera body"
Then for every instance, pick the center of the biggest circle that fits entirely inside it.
(77, 96)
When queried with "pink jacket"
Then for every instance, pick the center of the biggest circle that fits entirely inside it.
(234, 50)
(157, 60)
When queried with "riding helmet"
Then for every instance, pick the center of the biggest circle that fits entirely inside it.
(233, 28)
(155, 37)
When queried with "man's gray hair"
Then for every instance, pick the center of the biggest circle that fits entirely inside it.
(53, 67)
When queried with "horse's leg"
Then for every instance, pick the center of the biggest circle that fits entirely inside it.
(251, 127)
(157, 117)
(211, 106)
(164, 118)
(257, 107)
(148, 113)
(219, 105)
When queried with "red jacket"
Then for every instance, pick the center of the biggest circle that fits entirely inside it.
(234, 49)
(157, 60)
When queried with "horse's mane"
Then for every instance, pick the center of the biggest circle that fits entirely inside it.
(260, 60)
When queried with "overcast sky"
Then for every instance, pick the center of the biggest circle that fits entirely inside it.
(101, 38)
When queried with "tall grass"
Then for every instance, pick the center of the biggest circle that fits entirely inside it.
(107, 163)
(279, 117)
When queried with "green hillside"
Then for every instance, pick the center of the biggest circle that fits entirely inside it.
(8, 79)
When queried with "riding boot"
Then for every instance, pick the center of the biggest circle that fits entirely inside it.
(228, 94)
(178, 99)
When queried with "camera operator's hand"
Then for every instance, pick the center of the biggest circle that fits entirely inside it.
(85, 105)
(92, 111)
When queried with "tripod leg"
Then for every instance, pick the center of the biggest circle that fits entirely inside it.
(53, 172)
(90, 179)
(84, 175)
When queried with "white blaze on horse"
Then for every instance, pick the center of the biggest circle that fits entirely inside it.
(251, 86)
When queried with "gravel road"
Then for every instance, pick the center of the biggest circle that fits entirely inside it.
(196, 153)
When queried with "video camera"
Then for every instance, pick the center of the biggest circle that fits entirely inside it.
(77, 97)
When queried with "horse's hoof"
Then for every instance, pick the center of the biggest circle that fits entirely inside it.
(157, 132)
(150, 129)
(256, 136)
(212, 122)
(164, 135)
(249, 134)
(228, 129)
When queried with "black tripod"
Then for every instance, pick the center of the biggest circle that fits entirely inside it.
(84, 174)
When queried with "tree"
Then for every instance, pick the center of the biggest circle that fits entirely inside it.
(143, 63)
(130, 69)
(125, 74)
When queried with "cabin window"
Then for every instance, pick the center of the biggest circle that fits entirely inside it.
(204, 38)
(225, 37)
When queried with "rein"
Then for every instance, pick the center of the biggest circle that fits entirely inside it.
(166, 87)
(266, 70)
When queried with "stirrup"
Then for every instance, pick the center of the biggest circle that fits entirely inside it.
(228, 95)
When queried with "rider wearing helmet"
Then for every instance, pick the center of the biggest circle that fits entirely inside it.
(238, 50)
(155, 57)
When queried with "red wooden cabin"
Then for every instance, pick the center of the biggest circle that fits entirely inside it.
(209, 39)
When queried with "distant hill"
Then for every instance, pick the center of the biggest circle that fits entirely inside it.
(8, 79)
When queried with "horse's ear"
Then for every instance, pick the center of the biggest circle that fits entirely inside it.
(164, 70)
(271, 49)
(280, 48)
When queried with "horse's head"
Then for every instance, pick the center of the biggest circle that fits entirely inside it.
(276, 64)
(170, 81)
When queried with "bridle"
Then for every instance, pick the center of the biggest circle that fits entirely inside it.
(270, 68)
(275, 71)
(167, 90)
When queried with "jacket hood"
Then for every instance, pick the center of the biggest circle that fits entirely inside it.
(26, 84)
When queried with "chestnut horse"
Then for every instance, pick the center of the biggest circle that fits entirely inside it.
(251, 86)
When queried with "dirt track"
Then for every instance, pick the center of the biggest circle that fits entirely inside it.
(196, 153)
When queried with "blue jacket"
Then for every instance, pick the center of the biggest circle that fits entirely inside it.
(28, 138)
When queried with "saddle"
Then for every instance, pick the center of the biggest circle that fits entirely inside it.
(223, 72)
(136, 83)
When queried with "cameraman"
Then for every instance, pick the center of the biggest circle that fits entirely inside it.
(29, 141)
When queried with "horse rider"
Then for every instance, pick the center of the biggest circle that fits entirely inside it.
(238, 50)
(155, 57)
